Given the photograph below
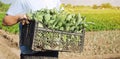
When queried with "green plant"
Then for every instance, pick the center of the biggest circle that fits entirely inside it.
(59, 20)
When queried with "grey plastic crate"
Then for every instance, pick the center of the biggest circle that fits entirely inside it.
(29, 33)
(47, 39)
(41, 39)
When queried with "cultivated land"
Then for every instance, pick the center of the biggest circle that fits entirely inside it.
(98, 45)
(101, 39)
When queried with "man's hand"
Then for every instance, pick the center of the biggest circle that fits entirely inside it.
(24, 20)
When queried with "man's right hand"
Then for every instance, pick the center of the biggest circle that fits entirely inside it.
(24, 20)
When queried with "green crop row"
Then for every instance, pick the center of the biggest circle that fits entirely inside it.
(104, 19)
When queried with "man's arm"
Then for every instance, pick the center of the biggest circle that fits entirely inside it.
(9, 20)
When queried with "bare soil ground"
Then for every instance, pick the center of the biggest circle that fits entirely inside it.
(8, 46)
(98, 45)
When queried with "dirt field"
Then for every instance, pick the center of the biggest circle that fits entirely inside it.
(98, 45)
(8, 46)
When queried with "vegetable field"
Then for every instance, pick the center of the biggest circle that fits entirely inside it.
(104, 19)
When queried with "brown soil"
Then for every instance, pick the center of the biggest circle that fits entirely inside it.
(8, 46)
(98, 45)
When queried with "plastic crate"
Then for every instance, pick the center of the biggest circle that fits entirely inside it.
(26, 38)
(47, 39)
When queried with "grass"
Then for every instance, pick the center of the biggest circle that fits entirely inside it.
(4, 7)
(105, 21)
(11, 29)
(1, 16)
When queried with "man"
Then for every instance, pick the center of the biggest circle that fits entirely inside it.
(17, 13)
(19, 8)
